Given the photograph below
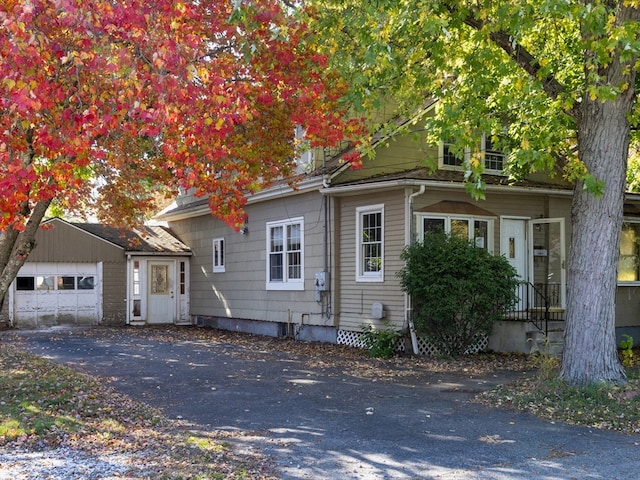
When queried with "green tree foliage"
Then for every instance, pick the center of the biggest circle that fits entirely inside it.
(633, 171)
(458, 290)
(553, 82)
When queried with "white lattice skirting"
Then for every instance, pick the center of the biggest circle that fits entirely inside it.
(353, 339)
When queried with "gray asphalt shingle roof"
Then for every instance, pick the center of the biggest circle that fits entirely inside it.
(144, 239)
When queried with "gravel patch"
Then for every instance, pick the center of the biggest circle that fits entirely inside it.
(64, 464)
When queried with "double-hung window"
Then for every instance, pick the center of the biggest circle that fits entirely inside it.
(449, 159)
(285, 254)
(370, 243)
(218, 255)
(629, 261)
(475, 230)
(492, 158)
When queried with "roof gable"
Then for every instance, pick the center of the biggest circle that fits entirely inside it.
(451, 207)
(144, 239)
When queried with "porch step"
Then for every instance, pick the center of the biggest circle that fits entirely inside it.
(551, 344)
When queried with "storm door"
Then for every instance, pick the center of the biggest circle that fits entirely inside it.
(547, 261)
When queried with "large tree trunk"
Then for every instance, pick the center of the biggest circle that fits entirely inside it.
(590, 354)
(16, 245)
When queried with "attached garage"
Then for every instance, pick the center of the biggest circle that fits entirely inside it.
(91, 274)
(54, 293)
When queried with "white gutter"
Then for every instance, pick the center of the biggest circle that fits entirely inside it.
(353, 189)
(281, 190)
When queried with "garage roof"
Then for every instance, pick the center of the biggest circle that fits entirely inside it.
(144, 239)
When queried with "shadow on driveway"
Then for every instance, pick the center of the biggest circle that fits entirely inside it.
(319, 418)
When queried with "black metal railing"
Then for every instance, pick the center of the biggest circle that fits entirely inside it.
(539, 304)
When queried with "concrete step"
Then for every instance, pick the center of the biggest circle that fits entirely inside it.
(551, 344)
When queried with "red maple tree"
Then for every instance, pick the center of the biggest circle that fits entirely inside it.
(103, 103)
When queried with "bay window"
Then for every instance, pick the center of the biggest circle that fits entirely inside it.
(475, 230)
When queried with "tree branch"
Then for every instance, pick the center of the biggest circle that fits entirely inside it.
(523, 58)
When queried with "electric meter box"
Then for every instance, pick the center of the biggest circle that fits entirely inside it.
(322, 281)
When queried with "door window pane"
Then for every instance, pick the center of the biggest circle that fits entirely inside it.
(159, 279)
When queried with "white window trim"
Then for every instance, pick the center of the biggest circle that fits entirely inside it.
(447, 224)
(441, 165)
(467, 157)
(627, 283)
(368, 276)
(484, 152)
(286, 283)
(220, 268)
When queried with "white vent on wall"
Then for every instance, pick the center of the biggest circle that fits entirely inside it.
(377, 311)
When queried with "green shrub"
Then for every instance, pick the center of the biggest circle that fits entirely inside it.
(458, 291)
(626, 350)
(381, 343)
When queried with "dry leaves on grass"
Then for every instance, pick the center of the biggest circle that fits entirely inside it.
(46, 406)
(327, 356)
(605, 406)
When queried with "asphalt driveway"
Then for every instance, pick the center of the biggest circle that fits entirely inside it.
(321, 422)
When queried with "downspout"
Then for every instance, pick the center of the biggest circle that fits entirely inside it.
(408, 317)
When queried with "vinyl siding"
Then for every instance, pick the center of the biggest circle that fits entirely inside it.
(63, 243)
(114, 293)
(240, 291)
(67, 244)
(401, 154)
(355, 298)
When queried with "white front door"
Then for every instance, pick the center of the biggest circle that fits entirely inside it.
(161, 298)
(513, 245)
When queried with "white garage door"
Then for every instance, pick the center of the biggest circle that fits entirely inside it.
(56, 294)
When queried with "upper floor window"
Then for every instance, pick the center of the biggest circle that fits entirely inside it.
(494, 159)
(475, 230)
(449, 158)
(370, 243)
(218, 255)
(285, 255)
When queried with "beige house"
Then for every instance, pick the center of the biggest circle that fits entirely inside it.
(318, 262)
(90, 274)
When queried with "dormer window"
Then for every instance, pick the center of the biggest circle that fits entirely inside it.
(493, 158)
(450, 159)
